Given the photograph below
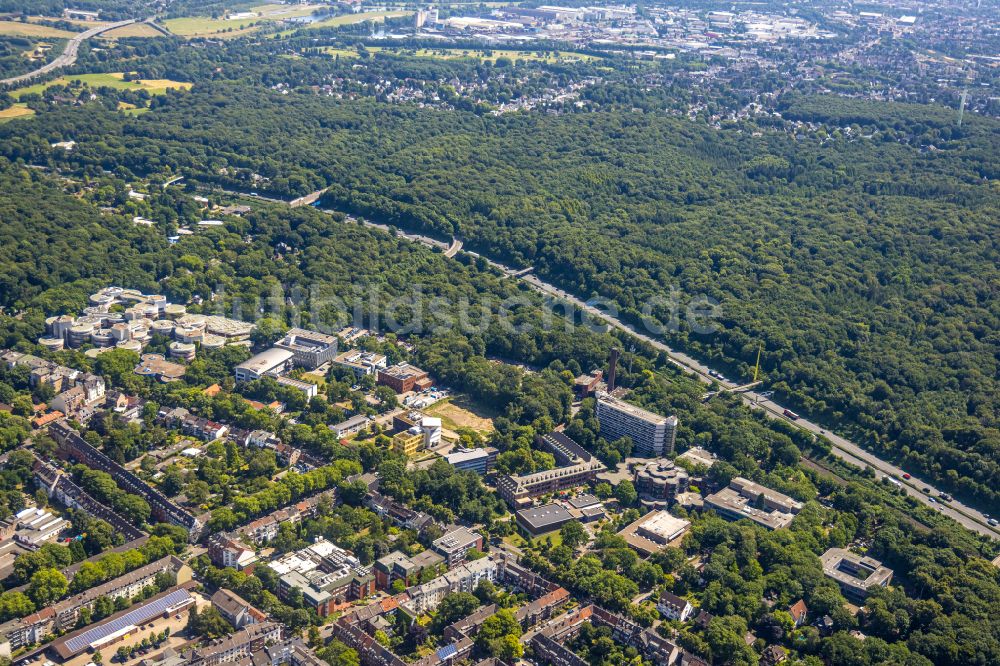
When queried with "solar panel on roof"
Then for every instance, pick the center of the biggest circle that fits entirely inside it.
(133, 618)
(447, 651)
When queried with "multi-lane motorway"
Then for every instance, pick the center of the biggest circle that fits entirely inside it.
(843, 448)
(68, 56)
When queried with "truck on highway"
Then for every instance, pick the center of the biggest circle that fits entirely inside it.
(790, 414)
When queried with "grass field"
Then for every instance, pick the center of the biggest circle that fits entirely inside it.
(15, 111)
(459, 413)
(203, 26)
(18, 29)
(349, 19)
(80, 23)
(134, 30)
(115, 80)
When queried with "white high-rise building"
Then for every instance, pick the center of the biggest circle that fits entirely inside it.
(652, 434)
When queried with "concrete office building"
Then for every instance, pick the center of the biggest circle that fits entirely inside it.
(653, 435)
(855, 574)
(404, 378)
(361, 362)
(660, 481)
(745, 499)
(472, 460)
(310, 349)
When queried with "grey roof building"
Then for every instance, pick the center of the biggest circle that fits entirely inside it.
(855, 574)
(542, 519)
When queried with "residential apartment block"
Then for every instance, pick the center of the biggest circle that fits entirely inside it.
(465, 578)
(652, 435)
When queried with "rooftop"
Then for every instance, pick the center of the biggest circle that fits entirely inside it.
(540, 517)
(266, 360)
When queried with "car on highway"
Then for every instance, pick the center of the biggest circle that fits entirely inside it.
(932, 500)
(906, 476)
(790, 414)
(993, 522)
(945, 496)
(927, 490)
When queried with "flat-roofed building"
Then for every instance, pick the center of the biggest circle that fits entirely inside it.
(308, 388)
(272, 362)
(699, 456)
(464, 578)
(856, 574)
(660, 481)
(454, 545)
(745, 499)
(353, 425)
(403, 378)
(311, 349)
(472, 460)
(397, 566)
(408, 443)
(518, 490)
(361, 362)
(542, 519)
(651, 434)
(654, 531)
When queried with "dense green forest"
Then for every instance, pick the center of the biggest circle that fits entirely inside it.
(867, 267)
(63, 247)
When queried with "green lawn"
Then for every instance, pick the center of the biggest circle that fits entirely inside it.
(200, 26)
(112, 80)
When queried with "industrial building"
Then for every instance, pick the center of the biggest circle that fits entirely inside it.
(651, 434)
(123, 625)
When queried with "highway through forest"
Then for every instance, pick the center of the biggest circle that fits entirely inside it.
(68, 56)
(843, 448)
